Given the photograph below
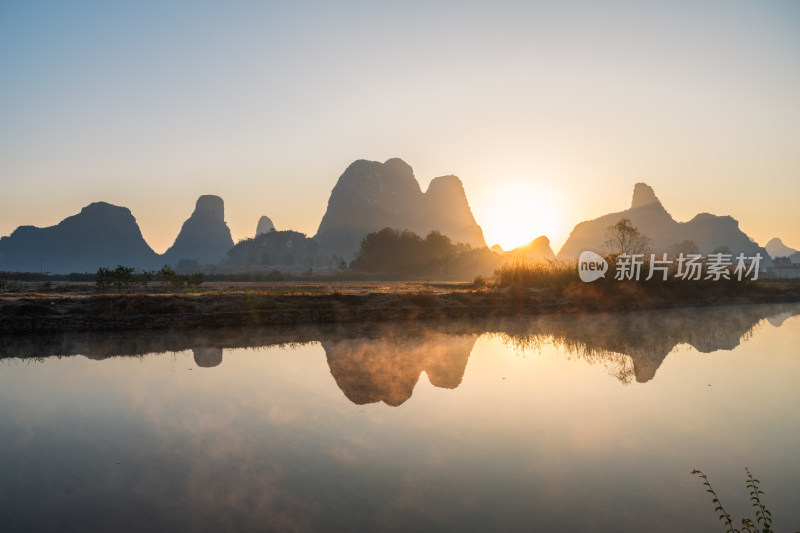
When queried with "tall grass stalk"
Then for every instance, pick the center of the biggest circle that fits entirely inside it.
(763, 522)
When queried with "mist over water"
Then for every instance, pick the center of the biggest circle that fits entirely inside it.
(552, 423)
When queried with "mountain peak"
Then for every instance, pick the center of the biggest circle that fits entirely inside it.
(370, 196)
(538, 248)
(265, 225)
(101, 235)
(776, 248)
(210, 205)
(204, 236)
(643, 195)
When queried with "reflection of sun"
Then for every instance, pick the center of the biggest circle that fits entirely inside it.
(519, 211)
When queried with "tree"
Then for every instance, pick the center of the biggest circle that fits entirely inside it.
(123, 277)
(170, 279)
(625, 238)
(405, 253)
(145, 277)
(103, 279)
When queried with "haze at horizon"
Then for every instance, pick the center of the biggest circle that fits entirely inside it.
(537, 108)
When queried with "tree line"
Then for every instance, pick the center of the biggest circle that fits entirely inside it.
(392, 252)
(125, 278)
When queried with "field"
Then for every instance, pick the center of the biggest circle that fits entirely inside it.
(74, 306)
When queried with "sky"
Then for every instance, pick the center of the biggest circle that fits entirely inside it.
(549, 112)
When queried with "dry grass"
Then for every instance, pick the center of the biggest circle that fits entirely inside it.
(554, 290)
(529, 273)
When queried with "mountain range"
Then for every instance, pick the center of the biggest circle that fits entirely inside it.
(367, 197)
(105, 235)
(370, 196)
(708, 232)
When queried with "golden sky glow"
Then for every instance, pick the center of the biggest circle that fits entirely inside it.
(565, 104)
(518, 207)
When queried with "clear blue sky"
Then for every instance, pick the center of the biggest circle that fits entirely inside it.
(549, 112)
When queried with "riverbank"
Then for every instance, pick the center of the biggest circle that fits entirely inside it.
(289, 304)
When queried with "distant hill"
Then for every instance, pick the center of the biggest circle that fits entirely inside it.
(776, 248)
(370, 196)
(273, 249)
(265, 225)
(539, 248)
(101, 235)
(707, 231)
(105, 235)
(204, 237)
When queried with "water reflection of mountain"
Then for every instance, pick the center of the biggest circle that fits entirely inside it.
(387, 369)
(207, 357)
(383, 361)
(645, 338)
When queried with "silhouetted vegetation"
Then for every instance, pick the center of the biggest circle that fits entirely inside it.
(528, 273)
(402, 254)
(763, 521)
(625, 238)
(280, 249)
(124, 279)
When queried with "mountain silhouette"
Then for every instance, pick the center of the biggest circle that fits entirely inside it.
(205, 236)
(265, 225)
(538, 248)
(707, 231)
(105, 235)
(273, 248)
(776, 248)
(101, 235)
(370, 196)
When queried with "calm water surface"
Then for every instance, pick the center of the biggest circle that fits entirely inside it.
(585, 423)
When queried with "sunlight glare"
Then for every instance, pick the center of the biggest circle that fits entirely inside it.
(519, 210)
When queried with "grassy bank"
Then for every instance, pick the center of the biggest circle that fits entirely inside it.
(291, 303)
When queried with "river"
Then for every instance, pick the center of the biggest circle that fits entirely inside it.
(586, 422)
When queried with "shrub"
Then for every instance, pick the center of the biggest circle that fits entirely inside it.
(102, 279)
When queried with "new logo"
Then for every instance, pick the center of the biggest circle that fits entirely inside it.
(591, 266)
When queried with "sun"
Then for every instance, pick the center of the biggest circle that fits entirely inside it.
(517, 211)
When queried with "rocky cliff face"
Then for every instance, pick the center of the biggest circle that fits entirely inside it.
(205, 236)
(101, 235)
(446, 209)
(370, 196)
(649, 216)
